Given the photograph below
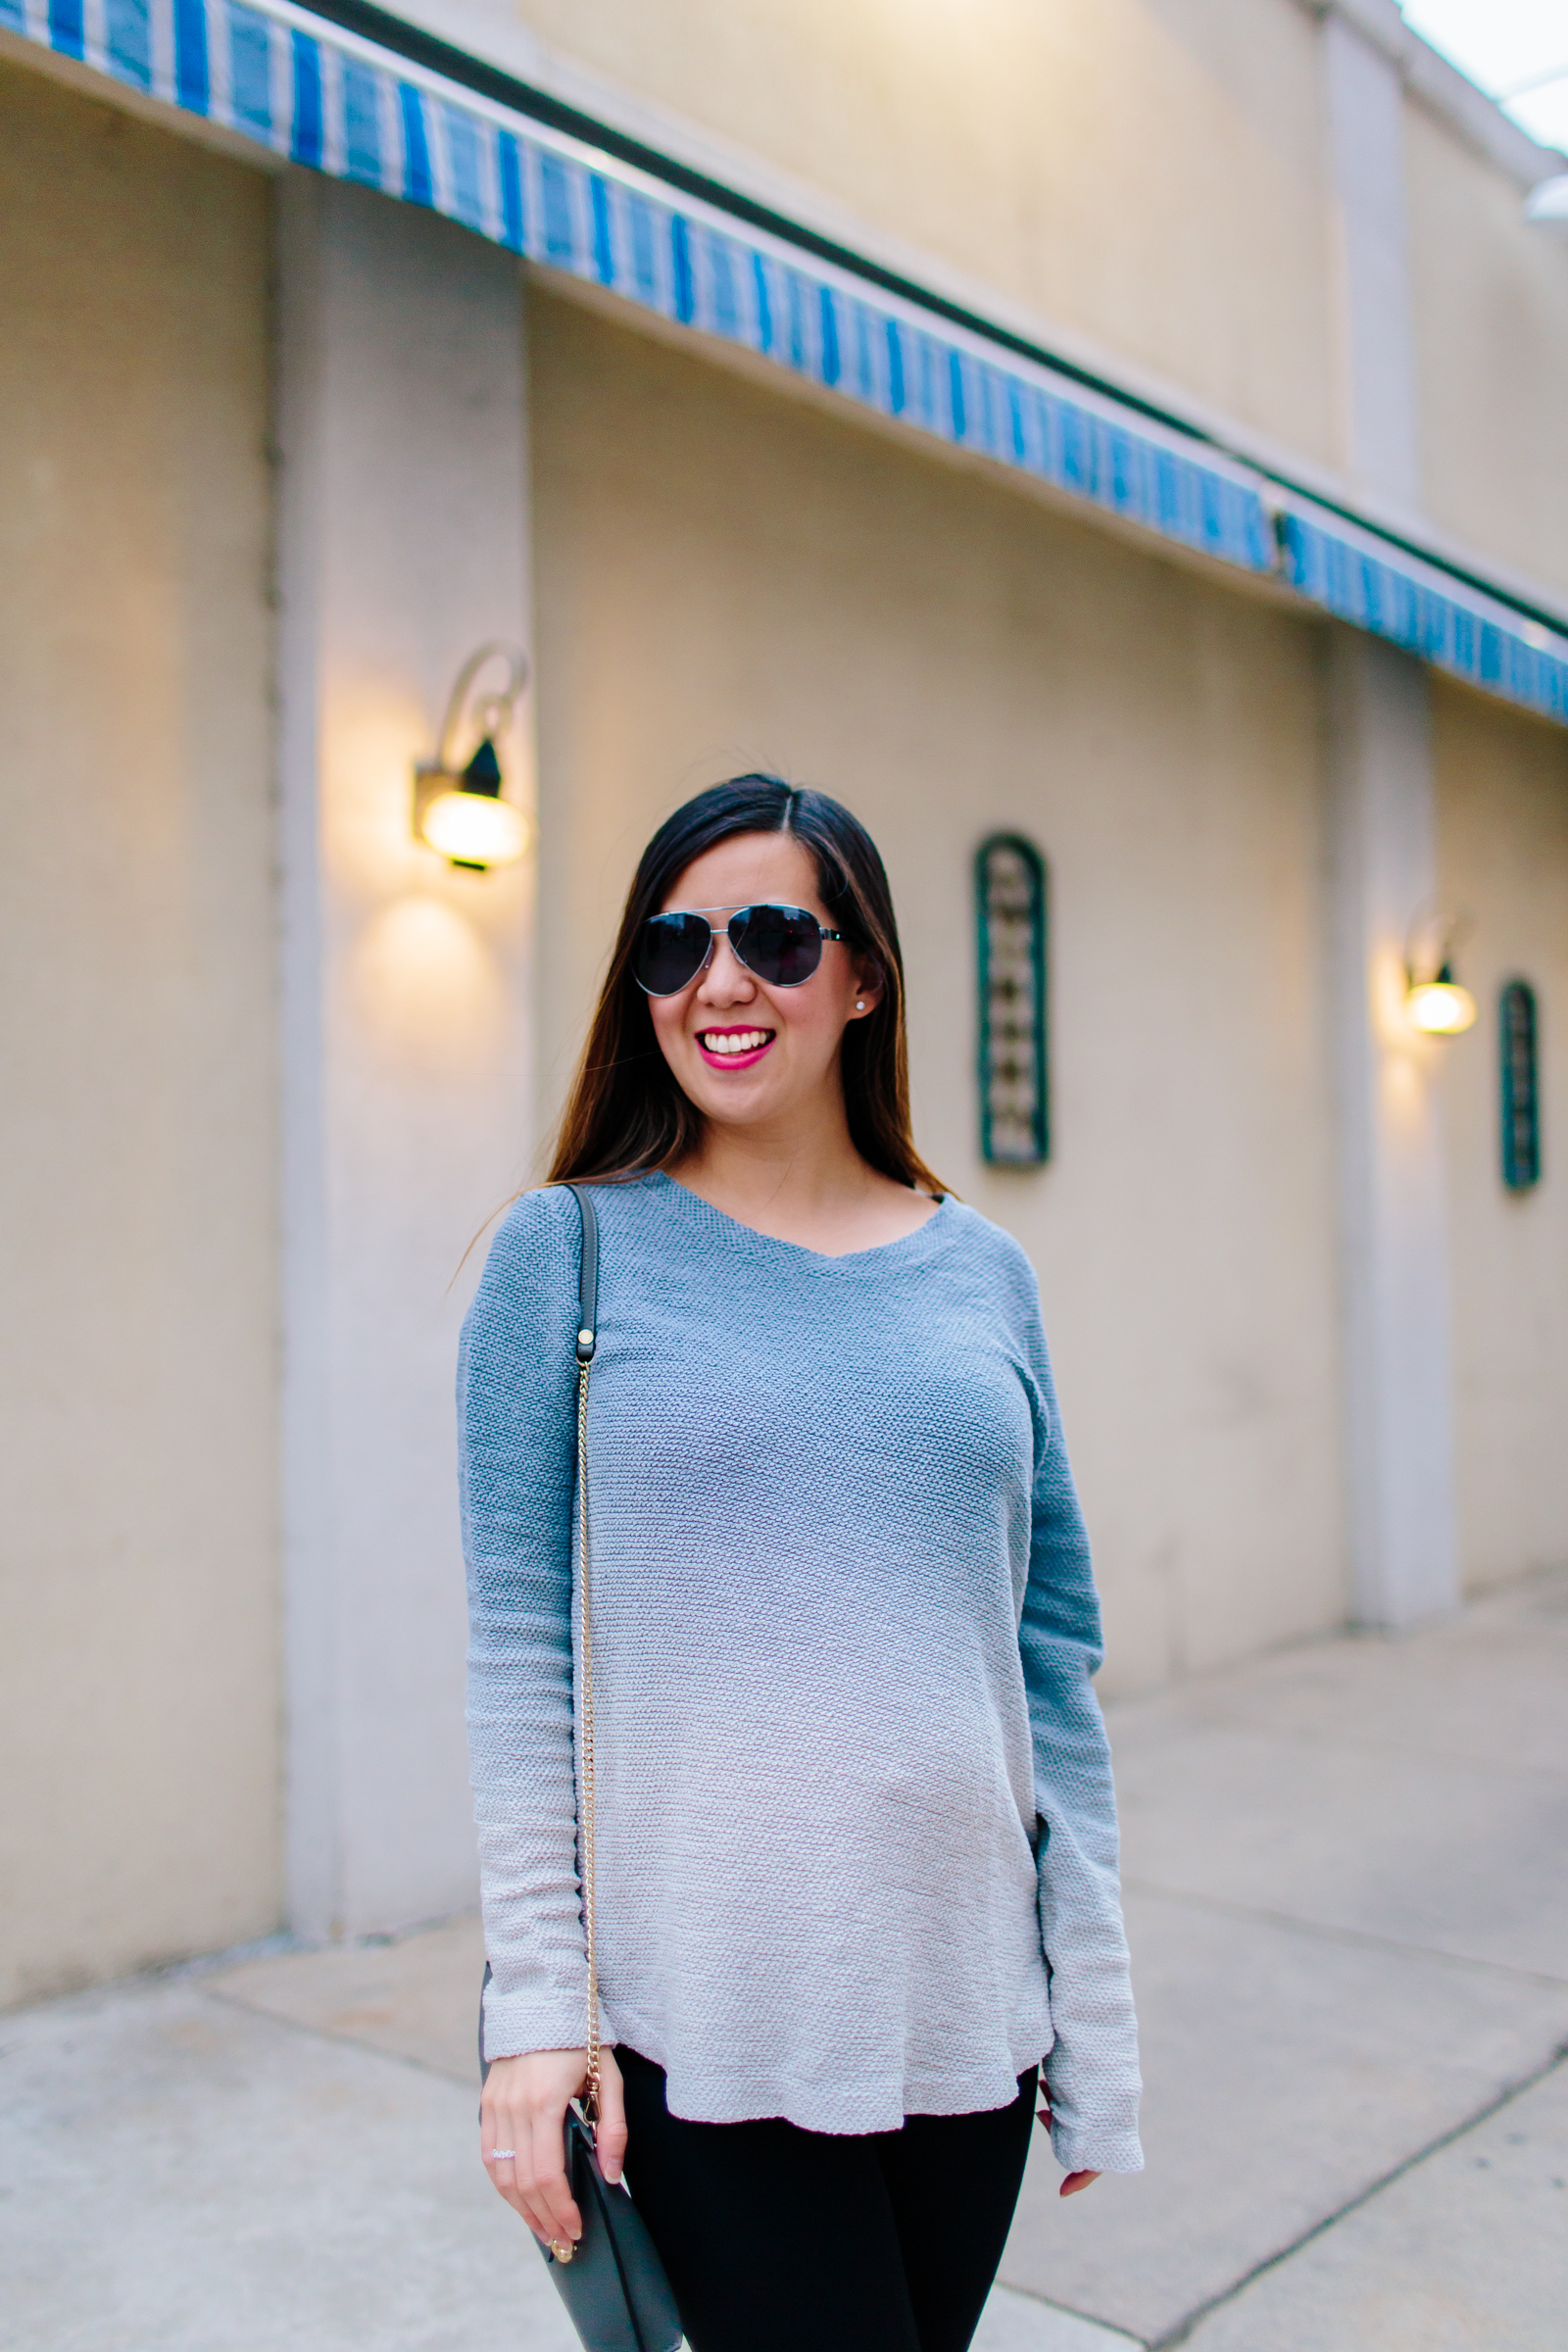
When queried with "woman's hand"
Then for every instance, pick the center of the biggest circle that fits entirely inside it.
(522, 2113)
(1074, 2181)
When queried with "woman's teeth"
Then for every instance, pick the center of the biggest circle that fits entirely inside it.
(733, 1041)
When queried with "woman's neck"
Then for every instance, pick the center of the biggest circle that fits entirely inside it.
(812, 1189)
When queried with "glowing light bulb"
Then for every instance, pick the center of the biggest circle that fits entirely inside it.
(1441, 1006)
(475, 828)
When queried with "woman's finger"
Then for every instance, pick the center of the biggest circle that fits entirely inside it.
(1077, 2181)
(498, 2147)
(547, 2189)
(501, 2173)
(610, 2141)
(529, 2200)
(495, 2146)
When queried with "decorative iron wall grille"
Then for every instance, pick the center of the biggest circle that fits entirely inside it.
(1014, 1064)
(1521, 1095)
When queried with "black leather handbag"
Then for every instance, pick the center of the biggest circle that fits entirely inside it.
(612, 2281)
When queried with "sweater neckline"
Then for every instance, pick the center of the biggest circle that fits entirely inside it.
(717, 1222)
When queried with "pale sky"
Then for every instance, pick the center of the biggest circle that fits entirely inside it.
(1501, 44)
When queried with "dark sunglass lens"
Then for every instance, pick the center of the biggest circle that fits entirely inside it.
(781, 945)
(671, 953)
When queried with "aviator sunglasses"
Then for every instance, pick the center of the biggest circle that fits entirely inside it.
(781, 945)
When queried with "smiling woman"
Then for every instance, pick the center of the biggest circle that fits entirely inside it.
(807, 899)
(854, 1840)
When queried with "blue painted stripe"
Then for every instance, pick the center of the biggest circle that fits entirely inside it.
(1121, 472)
(865, 385)
(1018, 427)
(1075, 449)
(604, 256)
(764, 308)
(895, 391)
(13, 16)
(418, 181)
(955, 406)
(68, 28)
(680, 255)
(828, 336)
(192, 86)
(305, 139)
(510, 173)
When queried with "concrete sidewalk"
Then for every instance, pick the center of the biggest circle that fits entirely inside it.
(1349, 1905)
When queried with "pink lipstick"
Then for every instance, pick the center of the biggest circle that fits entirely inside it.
(734, 1049)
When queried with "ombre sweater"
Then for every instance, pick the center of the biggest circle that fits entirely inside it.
(856, 1834)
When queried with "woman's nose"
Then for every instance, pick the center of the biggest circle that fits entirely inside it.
(726, 980)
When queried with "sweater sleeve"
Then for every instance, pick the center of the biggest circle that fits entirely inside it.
(1092, 2072)
(517, 1425)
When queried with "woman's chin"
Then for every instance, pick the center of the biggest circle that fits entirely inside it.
(732, 1102)
(750, 1098)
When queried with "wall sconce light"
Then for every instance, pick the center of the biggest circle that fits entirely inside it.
(460, 812)
(1434, 1001)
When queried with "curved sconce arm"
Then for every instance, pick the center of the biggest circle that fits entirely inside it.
(492, 713)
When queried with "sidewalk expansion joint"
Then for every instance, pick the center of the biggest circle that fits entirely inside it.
(1183, 2329)
(1117, 2336)
(1365, 1938)
(343, 2042)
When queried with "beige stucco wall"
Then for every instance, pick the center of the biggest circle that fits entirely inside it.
(1490, 306)
(725, 579)
(1146, 173)
(139, 1694)
(1503, 845)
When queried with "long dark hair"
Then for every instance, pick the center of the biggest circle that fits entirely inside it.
(626, 1114)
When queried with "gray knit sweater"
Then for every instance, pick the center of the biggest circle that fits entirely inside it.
(856, 1825)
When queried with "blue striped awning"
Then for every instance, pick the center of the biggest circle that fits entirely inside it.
(321, 95)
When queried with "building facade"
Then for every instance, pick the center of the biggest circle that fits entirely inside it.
(1131, 426)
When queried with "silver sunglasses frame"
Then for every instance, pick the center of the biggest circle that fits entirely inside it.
(785, 905)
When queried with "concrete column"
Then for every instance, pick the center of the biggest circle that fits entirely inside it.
(1400, 1491)
(402, 547)
(1398, 1455)
(1365, 99)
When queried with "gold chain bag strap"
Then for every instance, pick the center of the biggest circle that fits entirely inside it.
(611, 2282)
(587, 1339)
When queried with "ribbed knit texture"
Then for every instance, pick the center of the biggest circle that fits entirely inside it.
(856, 1825)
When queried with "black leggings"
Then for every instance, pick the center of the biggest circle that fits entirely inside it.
(781, 2240)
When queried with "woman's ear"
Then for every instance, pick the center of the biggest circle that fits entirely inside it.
(867, 987)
